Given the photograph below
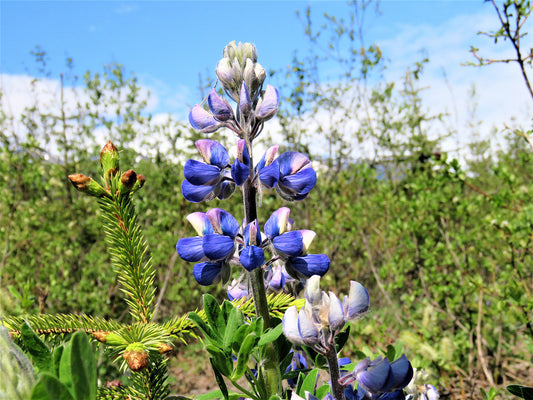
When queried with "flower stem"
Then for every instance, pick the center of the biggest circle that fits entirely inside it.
(270, 370)
(334, 373)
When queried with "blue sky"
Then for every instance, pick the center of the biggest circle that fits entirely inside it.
(167, 43)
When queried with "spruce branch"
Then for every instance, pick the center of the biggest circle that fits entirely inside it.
(129, 253)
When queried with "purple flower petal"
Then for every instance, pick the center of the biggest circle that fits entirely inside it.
(237, 290)
(312, 264)
(268, 105)
(218, 247)
(291, 162)
(299, 183)
(239, 172)
(207, 273)
(196, 194)
(402, 372)
(199, 173)
(223, 222)
(190, 249)
(307, 328)
(269, 175)
(219, 106)
(242, 152)
(290, 325)
(252, 257)
(277, 223)
(335, 312)
(277, 281)
(357, 301)
(202, 121)
(213, 152)
(200, 223)
(377, 378)
(290, 243)
(245, 102)
(252, 235)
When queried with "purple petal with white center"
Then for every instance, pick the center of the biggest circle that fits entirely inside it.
(213, 152)
(202, 121)
(239, 172)
(199, 173)
(377, 378)
(268, 157)
(335, 313)
(290, 243)
(312, 264)
(224, 189)
(190, 249)
(269, 175)
(245, 102)
(219, 106)
(223, 222)
(196, 194)
(242, 152)
(307, 328)
(290, 325)
(268, 105)
(291, 162)
(252, 257)
(307, 238)
(218, 247)
(277, 223)
(357, 302)
(299, 183)
(200, 223)
(402, 372)
(207, 273)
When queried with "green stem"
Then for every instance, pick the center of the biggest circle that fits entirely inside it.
(270, 369)
(244, 391)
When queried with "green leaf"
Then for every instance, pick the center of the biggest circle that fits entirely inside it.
(309, 383)
(83, 367)
(239, 337)
(342, 338)
(244, 355)
(40, 353)
(48, 387)
(235, 321)
(221, 360)
(220, 381)
(322, 391)
(270, 335)
(525, 392)
(207, 331)
(56, 359)
(214, 315)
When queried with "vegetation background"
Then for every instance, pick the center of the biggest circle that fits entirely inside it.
(444, 246)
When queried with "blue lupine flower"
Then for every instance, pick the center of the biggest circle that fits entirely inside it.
(267, 168)
(208, 179)
(293, 246)
(381, 378)
(215, 245)
(276, 277)
(290, 326)
(220, 107)
(245, 102)
(252, 255)
(296, 176)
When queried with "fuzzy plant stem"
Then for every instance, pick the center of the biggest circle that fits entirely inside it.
(334, 373)
(270, 367)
